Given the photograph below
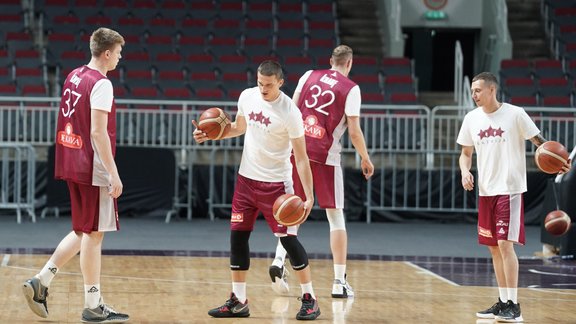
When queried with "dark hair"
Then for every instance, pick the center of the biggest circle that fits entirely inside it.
(487, 77)
(341, 54)
(269, 68)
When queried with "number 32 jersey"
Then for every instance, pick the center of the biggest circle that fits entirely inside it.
(326, 98)
(75, 159)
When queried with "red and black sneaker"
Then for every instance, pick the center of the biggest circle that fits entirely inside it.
(231, 308)
(309, 310)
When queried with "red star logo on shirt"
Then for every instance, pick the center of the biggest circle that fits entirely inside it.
(490, 132)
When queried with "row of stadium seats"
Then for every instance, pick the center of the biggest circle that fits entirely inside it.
(560, 21)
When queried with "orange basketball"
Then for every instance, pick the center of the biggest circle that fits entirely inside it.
(551, 156)
(288, 210)
(557, 222)
(215, 122)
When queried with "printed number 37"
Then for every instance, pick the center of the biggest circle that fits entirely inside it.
(70, 93)
(317, 92)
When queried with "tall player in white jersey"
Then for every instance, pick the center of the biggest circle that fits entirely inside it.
(330, 103)
(498, 131)
(273, 128)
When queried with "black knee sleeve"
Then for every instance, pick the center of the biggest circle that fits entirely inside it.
(239, 250)
(296, 252)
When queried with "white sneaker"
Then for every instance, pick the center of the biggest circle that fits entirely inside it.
(279, 282)
(341, 289)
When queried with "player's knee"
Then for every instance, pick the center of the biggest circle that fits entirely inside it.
(296, 252)
(336, 219)
(239, 250)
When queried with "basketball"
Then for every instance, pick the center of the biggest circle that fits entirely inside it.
(557, 222)
(550, 157)
(215, 122)
(288, 210)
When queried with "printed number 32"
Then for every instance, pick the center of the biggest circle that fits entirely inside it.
(317, 92)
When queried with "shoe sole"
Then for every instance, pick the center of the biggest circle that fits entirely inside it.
(35, 307)
(485, 316)
(230, 316)
(104, 321)
(309, 317)
(514, 320)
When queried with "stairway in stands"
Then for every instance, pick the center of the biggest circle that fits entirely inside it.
(527, 30)
(359, 27)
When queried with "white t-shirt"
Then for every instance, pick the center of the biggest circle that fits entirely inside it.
(102, 95)
(270, 127)
(499, 140)
(353, 100)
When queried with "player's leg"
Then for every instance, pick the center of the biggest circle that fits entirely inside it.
(510, 229)
(244, 213)
(98, 215)
(35, 289)
(487, 236)
(299, 260)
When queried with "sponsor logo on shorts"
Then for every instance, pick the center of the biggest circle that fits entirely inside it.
(501, 223)
(237, 218)
(484, 232)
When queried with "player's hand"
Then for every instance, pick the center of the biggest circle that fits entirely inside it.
(199, 136)
(566, 167)
(468, 181)
(308, 204)
(367, 168)
(115, 187)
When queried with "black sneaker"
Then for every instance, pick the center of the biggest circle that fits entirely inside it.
(35, 294)
(231, 308)
(279, 276)
(510, 314)
(309, 310)
(103, 314)
(492, 311)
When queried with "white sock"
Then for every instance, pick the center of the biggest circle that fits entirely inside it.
(239, 289)
(339, 272)
(91, 296)
(503, 293)
(47, 273)
(280, 257)
(513, 295)
(307, 289)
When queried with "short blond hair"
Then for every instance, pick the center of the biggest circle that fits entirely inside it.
(341, 54)
(103, 39)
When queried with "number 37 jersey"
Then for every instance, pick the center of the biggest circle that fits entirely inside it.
(326, 98)
(75, 159)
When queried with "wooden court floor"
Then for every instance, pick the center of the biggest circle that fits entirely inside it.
(167, 289)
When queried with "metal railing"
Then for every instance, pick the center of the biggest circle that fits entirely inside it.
(18, 181)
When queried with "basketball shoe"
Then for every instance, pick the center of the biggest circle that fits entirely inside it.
(231, 308)
(279, 277)
(342, 289)
(35, 294)
(492, 311)
(510, 314)
(103, 314)
(309, 310)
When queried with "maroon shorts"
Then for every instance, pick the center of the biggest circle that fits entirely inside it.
(501, 218)
(328, 184)
(252, 196)
(93, 210)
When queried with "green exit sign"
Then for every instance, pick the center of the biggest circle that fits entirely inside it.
(435, 15)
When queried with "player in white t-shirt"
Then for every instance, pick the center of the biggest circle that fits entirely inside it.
(330, 104)
(498, 131)
(273, 128)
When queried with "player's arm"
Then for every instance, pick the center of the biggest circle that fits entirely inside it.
(357, 139)
(101, 143)
(237, 128)
(304, 172)
(538, 140)
(465, 162)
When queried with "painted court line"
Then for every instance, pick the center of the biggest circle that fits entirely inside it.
(428, 272)
(5, 260)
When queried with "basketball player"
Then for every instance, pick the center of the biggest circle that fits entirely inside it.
(497, 132)
(85, 147)
(273, 128)
(330, 103)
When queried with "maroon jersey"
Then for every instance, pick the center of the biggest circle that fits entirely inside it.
(322, 102)
(74, 153)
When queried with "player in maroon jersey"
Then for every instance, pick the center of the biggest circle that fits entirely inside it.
(85, 148)
(330, 103)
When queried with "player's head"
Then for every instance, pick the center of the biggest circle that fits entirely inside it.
(341, 59)
(106, 45)
(270, 79)
(484, 88)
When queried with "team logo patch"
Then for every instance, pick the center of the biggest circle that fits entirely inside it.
(237, 218)
(68, 139)
(490, 132)
(311, 128)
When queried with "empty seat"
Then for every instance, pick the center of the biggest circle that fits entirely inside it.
(403, 98)
(515, 68)
(524, 101)
(556, 101)
(399, 83)
(232, 63)
(520, 87)
(396, 66)
(555, 87)
(548, 69)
